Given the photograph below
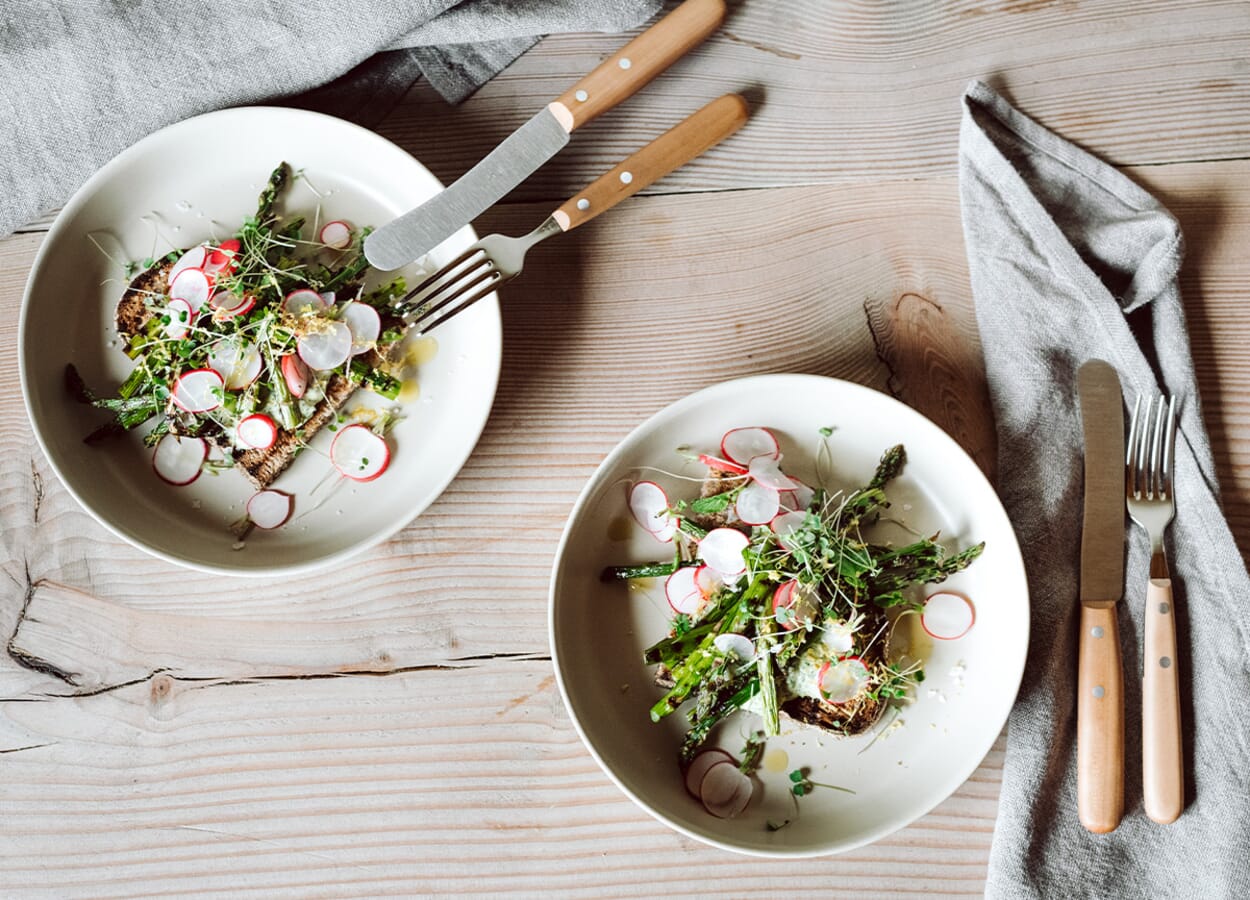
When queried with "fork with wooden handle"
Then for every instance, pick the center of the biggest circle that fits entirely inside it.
(496, 259)
(1148, 490)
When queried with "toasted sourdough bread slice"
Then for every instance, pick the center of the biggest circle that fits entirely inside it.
(260, 466)
(715, 482)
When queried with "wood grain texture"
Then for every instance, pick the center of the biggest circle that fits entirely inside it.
(446, 764)
(858, 91)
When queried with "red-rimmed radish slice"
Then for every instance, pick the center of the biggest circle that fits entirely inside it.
(947, 616)
(843, 680)
(336, 234)
(721, 548)
(295, 374)
(682, 591)
(802, 494)
(329, 297)
(732, 644)
(741, 445)
(359, 453)
(238, 362)
(304, 301)
(222, 258)
(795, 605)
(198, 390)
(649, 504)
(723, 465)
(193, 286)
(327, 349)
(269, 509)
(365, 325)
(179, 460)
(257, 431)
(706, 579)
(226, 304)
(767, 471)
(757, 504)
(179, 312)
(700, 764)
(192, 259)
(785, 526)
(725, 791)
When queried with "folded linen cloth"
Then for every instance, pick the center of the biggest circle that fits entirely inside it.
(81, 81)
(1070, 260)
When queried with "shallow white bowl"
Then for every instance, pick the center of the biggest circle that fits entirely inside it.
(196, 180)
(599, 631)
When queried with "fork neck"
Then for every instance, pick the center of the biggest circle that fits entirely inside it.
(549, 228)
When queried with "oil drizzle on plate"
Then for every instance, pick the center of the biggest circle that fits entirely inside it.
(418, 353)
(776, 760)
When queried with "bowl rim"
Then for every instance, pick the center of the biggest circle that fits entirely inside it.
(1014, 676)
(81, 196)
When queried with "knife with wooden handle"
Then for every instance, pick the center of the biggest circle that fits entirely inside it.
(617, 78)
(1100, 672)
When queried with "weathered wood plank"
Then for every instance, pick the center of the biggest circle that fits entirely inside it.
(862, 91)
(468, 782)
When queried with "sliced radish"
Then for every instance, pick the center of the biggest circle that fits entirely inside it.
(795, 605)
(843, 680)
(193, 286)
(329, 298)
(192, 259)
(767, 471)
(257, 431)
(359, 453)
(947, 616)
(803, 495)
(179, 312)
(296, 375)
(226, 304)
(738, 645)
(269, 509)
(722, 465)
(725, 791)
(365, 325)
(649, 504)
(787, 525)
(721, 548)
(238, 362)
(707, 580)
(757, 504)
(178, 460)
(199, 390)
(682, 591)
(336, 234)
(699, 766)
(304, 302)
(838, 636)
(326, 349)
(222, 258)
(744, 444)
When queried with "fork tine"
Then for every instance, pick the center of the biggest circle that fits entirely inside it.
(1156, 452)
(456, 291)
(1130, 464)
(1169, 450)
(1143, 451)
(466, 301)
(438, 280)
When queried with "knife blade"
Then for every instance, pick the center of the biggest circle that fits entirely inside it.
(1100, 673)
(617, 78)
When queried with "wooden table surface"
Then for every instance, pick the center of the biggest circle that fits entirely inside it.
(408, 736)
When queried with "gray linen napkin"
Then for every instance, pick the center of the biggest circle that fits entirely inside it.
(1069, 261)
(81, 80)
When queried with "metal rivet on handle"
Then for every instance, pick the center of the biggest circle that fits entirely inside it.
(627, 177)
(1099, 691)
(624, 63)
(1165, 662)
(583, 204)
(1096, 631)
(1163, 608)
(582, 96)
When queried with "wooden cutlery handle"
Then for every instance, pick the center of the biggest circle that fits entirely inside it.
(671, 150)
(631, 68)
(1100, 721)
(1162, 767)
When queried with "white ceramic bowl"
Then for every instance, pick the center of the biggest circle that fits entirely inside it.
(197, 180)
(599, 631)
